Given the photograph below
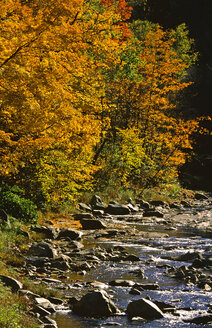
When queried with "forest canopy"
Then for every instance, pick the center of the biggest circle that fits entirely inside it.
(90, 98)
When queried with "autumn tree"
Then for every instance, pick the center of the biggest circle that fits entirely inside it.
(149, 132)
(52, 55)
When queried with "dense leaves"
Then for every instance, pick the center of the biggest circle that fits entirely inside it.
(88, 97)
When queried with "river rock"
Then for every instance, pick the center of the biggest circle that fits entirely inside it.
(152, 286)
(14, 284)
(95, 304)
(84, 207)
(48, 232)
(117, 209)
(45, 303)
(36, 262)
(150, 212)
(70, 233)
(121, 282)
(142, 203)
(79, 216)
(158, 203)
(42, 249)
(188, 257)
(145, 309)
(201, 320)
(41, 311)
(200, 196)
(134, 291)
(92, 224)
(97, 213)
(133, 209)
(62, 263)
(97, 203)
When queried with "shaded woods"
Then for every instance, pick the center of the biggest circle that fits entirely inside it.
(90, 99)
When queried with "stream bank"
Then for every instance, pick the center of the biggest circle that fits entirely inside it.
(155, 251)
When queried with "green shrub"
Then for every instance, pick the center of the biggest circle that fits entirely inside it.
(14, 203)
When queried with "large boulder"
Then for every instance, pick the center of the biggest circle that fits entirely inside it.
(92, 224)
(69, 233)
(117, 209)
(145, 309)
(42, 249)
(14, 284)
(95, 304)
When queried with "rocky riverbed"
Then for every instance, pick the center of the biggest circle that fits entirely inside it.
(134, 265)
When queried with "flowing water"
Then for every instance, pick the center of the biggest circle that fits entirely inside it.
(155, 254)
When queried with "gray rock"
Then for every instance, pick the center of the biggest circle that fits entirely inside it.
(70, 233)
(153, 286)
(130, 258)
(98, 212)
(14, 284)
(48, 232)
(189, 257)
(134, 291)
(84, 207)
(45, 304)
(149, 213)
(142, 203)
(92, 224)
(36, 261)
(158, 203)
(42, 249)
(121, 282)
(80, 216)
(41, 311)
(62, 263)
(55, 300)
(145, 309)
(132, 208)
(117, 209)
(200, 196)
(97, 203)
(95, 304)
(201, 320)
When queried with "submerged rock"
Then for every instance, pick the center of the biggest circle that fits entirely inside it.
(201, 320)
(95, 304)
(145, 309)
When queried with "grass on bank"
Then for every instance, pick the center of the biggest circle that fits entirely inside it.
(13, 308)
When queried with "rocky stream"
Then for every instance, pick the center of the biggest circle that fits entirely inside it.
(135, 265)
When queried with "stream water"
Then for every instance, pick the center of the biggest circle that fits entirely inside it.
(155, 253)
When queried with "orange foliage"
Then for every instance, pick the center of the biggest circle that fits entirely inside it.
(124, 11)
